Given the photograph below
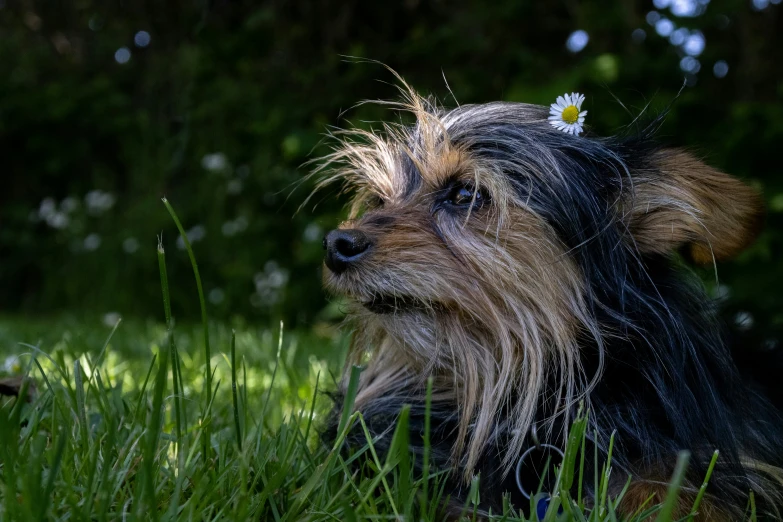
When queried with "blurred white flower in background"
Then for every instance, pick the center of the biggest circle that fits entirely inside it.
(111, 318)
(216, 296)
(234, 186)
(689, 43)
(664, 27)
(678, 36)
(760, 5)
(689, 64)
(268, 284)
(232, 228)
(720, 69)
(12, 364)
(229, 229)
(683, 8)
(195, 235)
(214, 162)
(69, 204)
(58, 220)
(694, 44)
(130, 245)
(48, 212)
(639, 35)
(47, 207)
(577, 41)
(122, 56)
(743, 320)
(142, 39)
(59, 215)
(98, 201)
(313, 233)
(92, 242)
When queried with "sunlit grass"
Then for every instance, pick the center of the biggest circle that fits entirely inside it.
(60, 342)
(98, 439)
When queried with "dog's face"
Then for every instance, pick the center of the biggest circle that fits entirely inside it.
(454, 240)
(481, 241)
(437, 230)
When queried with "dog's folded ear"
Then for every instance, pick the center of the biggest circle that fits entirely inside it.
(677, 200)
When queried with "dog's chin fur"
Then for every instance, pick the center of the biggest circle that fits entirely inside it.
(494, 332)
(560, 289)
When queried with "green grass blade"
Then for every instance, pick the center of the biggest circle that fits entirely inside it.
(274, 373)
(105, 347)
(399, 456)
(673, 492)
(54, 470)
(311, 415)
(575, 437)
(350, 397)
(164, 282)
(144, 387)
(80, 405)
(234, 388)
(204, 322)
(703, 488)
(176, 383)
(154, 428)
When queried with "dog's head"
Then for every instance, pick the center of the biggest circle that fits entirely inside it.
(481, 242)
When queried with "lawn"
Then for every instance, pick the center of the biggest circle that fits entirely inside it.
(129, 420)
(105, 435)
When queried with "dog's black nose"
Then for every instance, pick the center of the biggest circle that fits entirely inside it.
(344, 247)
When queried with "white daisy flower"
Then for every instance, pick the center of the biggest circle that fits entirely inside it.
(12, 365)
(564, 114)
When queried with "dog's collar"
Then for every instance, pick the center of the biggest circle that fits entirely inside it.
(532, 460)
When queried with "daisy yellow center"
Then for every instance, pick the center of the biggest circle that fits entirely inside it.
(570, 114)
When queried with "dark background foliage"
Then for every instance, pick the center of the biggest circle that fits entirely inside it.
(107, 106)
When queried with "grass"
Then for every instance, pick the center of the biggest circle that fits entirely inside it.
(158, 421)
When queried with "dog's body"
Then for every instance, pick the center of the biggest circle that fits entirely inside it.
(528, 271)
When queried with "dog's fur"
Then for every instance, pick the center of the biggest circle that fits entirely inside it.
(558, 284)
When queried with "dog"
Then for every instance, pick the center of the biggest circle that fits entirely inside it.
(526, 272)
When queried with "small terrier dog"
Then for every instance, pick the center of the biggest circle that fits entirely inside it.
(528, 272)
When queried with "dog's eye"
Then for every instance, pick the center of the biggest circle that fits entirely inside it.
(465, 195)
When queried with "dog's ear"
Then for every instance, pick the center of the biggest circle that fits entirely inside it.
(678, 200)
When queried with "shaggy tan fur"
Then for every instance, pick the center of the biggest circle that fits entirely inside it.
(686, 201)
(645, 494)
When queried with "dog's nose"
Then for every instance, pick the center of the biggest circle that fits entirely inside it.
(344, 247)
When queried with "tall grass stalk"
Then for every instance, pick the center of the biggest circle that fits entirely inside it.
(205, 324)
